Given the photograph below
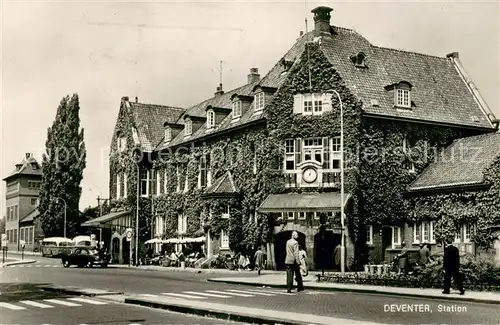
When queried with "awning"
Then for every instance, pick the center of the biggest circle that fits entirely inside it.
(154, 241)
(111, 219)
(308, 202)
(185, 240)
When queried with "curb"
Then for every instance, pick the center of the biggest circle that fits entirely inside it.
(19, 262)
(189, 270)
(369, 291)
(236, 317)
(80, 291)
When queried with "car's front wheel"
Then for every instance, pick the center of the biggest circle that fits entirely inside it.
(66, 263)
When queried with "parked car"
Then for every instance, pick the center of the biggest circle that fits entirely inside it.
(82, 257)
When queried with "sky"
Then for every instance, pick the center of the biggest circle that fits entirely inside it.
(168, 52)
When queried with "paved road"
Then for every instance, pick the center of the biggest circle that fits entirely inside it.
(356, 306)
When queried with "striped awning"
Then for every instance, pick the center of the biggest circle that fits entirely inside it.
(308, 202)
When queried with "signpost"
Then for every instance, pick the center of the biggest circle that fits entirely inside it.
(23, 244)
(128, 236)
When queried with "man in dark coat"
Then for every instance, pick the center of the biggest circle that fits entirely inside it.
(451, 265)
(423, 255)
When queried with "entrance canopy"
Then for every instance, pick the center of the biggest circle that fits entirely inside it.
(117, 218)
(308, 202)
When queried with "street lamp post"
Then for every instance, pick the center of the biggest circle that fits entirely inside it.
(342, 243)
(65, 207)
(136, 218)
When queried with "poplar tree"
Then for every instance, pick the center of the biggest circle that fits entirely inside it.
(63, 163)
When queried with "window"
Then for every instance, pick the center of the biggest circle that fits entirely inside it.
(423, 232)
(186, 179)
(122, 185)
(289, 154)
(313, 149)
(188, 127)
(290, 215)
(301, 216)
(34, 201)
(30, 235)
(309, 215)
(210, 119)
(224, 239)
(152, 182)
(317, 215)
(143, 174)
(254, 157)
(402, 97)
(237, 109)
(466, 230)
(125, 185)
(225, 212)
(121, 143)
(181, 223)
(168, 134)
(259, 101)
(407, 150)
(203, 172)
(336, 144)
(396, 236)
(308, 104)
(369, 235)
(178, 174)
(34, 185)
(159, 225)
(118, 186)
(165, 182)
(359, 60)
(311, 104)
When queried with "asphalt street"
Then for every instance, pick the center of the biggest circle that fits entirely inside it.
(356, 306)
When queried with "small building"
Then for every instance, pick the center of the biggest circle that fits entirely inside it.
(22, 198)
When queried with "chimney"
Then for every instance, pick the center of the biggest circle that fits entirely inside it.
(322, 19)
(219, 91)
(254, 75)
(28, 155)
(136, 99)
(125, 98)
(18, 166)
(301, 33)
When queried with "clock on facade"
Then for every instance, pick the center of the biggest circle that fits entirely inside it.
(309, 175)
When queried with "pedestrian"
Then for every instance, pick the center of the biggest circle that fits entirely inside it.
(303, 262)
(423, 255)
(259, 260)
(451, 265)
(403, 259)
(292, 262)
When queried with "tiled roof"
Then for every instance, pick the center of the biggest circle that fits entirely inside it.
(462, 163)
(30, 216)
(149, 119)
(439, 93)
(222, 186)
(26, 168)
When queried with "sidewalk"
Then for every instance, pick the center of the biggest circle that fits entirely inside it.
(192, 270)
(279, 281)
(238, 313)
(15, 261)
(26, 253)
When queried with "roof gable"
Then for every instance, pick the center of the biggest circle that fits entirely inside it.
(462, 163)
(224, 186)
(28, 166)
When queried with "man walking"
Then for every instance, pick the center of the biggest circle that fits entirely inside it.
(292, 262)
(259, 260)
(451, 265)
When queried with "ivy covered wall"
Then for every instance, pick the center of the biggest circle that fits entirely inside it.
(450, 210)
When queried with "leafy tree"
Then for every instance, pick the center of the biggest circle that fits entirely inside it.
(2, 225)
(63, 165)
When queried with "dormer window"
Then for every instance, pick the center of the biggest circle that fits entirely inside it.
(402, 94)
(168, 134)
(259, 101)
(237, 109)
(188, 127)
(210, 119)
(359, 60)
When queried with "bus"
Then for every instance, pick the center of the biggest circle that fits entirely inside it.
(56, 246)
(82, 241)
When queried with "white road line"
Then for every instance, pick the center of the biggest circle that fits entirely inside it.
(35, 304)
(62, 302)
(11, 306)
(46, 265)
(235, 293)
(253, 292)
(29, 265)
(88, 301)
(180, 295)
(206, 294)
(271, 292)
(37, 265)
(148, 295)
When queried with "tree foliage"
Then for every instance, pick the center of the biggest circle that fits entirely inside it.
(63, 164)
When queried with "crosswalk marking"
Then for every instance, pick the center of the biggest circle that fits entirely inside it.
(62, 302)
(180, 295)
(35, 304)
(272, 292)
(11, 306)
(38, 265)
(253, 292)
(148, 295)
(233, 293)
(88, 301)
(207, 294)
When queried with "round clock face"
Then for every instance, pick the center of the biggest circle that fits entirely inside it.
(309, 175)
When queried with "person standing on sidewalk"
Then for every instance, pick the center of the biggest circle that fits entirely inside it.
(451, 265)
(423, 255)
(259, 260)
(292, 262)
(403, 259)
